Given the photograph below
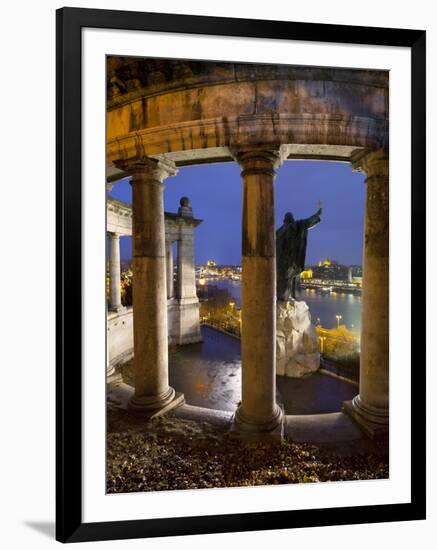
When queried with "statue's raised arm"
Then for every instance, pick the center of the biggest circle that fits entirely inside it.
(314, 219)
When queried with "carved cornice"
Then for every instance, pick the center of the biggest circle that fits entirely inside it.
(118, 207)
(131, 78)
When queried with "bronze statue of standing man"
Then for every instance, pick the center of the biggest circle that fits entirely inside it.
(291, 244)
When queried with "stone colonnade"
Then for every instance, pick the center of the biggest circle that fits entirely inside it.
(258, 411)
(182, 303)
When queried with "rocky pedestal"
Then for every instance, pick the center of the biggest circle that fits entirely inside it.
(296, 340)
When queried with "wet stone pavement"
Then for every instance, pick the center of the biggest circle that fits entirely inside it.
(209, 375)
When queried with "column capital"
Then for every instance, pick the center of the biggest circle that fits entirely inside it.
(148, 169)
(114, 235)
(259, 160)
(373, 163)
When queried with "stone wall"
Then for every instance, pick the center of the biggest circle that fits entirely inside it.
(120, 337)
(183, 328)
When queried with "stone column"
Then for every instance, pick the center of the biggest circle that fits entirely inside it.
(186, 281)
(370, 408)
(169, 267)
(258, 411)
(152, 391)
(187, 300)
(110, 370)
(114, 272)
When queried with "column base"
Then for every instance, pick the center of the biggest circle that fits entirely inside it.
(153, 406)
(184, 321)
(372, 421)
(113, 376)
(249, 428)
(117, 309)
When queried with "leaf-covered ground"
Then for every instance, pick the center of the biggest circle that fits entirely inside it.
(170, 453)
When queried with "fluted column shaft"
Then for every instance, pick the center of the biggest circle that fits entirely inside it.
(258, 410)
(114, 272)
(152, 390)
(372, 404)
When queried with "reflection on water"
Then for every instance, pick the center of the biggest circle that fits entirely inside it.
(209, 374)
(322, 306)
(327, 306)
(317, 394)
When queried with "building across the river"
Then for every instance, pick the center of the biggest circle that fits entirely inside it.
(330, 275)
(332, 270)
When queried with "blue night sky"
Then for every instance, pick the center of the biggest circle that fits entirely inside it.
(215, 191)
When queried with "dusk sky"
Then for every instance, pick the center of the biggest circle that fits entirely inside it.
(215, 191)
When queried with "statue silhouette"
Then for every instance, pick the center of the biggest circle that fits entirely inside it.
(291, 244)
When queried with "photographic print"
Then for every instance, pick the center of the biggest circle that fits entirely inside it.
(239, 207)
(247, 274)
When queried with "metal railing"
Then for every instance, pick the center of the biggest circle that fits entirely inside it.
(348, 372)
(223, 326)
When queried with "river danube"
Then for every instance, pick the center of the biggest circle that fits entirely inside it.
(322, 306)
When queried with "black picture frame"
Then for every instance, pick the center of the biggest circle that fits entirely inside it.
(69, 525)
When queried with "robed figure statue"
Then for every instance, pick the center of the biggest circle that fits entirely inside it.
(291, 244)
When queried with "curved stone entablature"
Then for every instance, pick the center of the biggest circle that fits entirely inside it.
(161, 106)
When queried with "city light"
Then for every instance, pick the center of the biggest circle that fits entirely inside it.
(224, 312)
